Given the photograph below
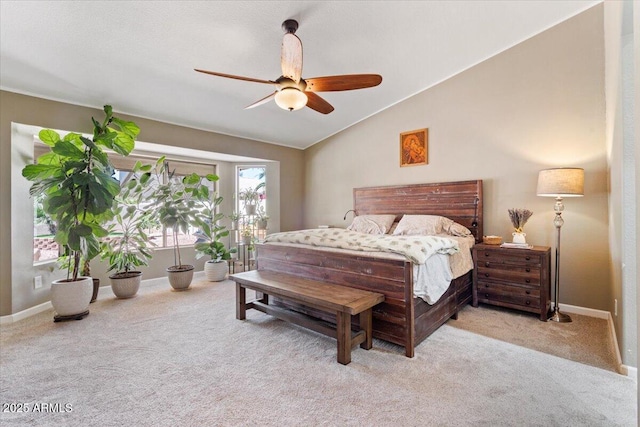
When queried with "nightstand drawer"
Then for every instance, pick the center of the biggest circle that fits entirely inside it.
(532, 259)
(529, 276)
(489, 292)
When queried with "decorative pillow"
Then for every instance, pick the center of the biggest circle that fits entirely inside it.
(422, 225)
(372, 224)
(456, 229)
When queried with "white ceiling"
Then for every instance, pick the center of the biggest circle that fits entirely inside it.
(139, 56)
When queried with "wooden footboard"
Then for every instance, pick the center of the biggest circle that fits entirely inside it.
(400, 319)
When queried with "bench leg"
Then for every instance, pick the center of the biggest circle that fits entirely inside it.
(241, 302)
(366, 326)
(344, 337)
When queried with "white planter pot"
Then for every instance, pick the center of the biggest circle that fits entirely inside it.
(215, 271)
(250, 209)
(180, 280)
(126, 285)
(71, 298)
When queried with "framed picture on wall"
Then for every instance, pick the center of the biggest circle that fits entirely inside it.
(414, 147)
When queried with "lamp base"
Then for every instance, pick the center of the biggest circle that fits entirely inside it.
(559, 317)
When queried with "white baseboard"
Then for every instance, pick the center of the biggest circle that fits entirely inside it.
(591, 312)
(31, 311)
(631, 372)
(105, 292)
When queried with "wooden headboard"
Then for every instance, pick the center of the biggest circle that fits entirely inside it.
(461, 201)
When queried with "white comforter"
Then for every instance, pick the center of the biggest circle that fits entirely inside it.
(432, 270)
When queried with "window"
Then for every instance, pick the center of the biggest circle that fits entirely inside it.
(251, 180)
(44, 246)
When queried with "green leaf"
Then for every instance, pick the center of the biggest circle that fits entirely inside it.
(49, 137)
(212, 177)
(67, 149)
(83, 230)
(128, 128)
(37, 172)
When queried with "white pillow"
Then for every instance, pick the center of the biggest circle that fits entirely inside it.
(422, 225)
(456, 229)
(372, 224)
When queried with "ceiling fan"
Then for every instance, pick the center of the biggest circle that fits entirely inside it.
(292, 91)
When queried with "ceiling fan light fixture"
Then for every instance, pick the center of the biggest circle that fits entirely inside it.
(291, 98)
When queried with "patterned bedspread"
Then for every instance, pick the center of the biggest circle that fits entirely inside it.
(416, 248)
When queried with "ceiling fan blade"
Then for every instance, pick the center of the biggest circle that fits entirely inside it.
(344, 82)
(291, 57)
(262, 101)
(231, 76)
(315, 102)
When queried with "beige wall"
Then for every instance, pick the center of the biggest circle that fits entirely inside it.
(537, 105)
(16, 284)
(619, 74)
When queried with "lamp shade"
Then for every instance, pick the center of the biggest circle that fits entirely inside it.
(290, 98)
(561, 182)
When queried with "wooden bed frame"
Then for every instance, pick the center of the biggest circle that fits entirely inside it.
(401, 319)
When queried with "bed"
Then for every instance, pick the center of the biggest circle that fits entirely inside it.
(402, 318)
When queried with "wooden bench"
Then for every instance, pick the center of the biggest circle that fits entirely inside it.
(342, 301)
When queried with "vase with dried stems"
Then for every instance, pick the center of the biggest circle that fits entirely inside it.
(519, 218)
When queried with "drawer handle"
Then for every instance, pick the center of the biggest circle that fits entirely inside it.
(486, 295)
(528, 302)
(486, 285)
(528, 270)
(486, 274)
(528, 292)
(486, 254)
(487, 264)
(528, 280)
(528, 258)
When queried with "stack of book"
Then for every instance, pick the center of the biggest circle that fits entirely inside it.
(516, 245)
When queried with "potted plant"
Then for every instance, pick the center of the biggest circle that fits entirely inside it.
(130, 247)
(262, 219)
(234, 217)
(246, 235)
(215, 269)
(178, 205)
(78, 189)
(250, 198)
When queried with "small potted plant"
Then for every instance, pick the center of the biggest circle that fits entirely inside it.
(75, 180)
(262, 219)
(130, 247)
(234, 217)
(246, 235)
(250, 198)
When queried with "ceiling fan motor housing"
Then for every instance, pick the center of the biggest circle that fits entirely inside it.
(290, 26)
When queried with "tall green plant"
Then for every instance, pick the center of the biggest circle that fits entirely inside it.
(178, 202)
(77, 185)
(131, 248)
(211, 229)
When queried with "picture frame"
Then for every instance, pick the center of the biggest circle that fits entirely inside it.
(414, 147)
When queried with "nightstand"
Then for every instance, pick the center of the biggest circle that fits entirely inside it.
(513, 277)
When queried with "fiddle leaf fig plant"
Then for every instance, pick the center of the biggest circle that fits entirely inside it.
(211, 229)
(76, 183)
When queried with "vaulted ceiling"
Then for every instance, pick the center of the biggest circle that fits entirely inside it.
(139, 56)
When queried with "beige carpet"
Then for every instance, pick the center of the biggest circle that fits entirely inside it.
(182, 359)
(585, 340)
